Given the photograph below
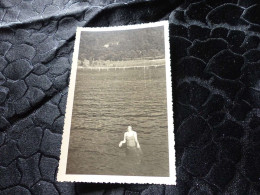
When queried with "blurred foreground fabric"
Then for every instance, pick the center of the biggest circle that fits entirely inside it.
(215, 61)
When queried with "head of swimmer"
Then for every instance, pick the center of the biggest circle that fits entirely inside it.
(129, 128)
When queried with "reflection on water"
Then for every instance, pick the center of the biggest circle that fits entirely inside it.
(105, 103)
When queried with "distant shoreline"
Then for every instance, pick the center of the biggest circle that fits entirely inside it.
(118, 67)
(125, 64)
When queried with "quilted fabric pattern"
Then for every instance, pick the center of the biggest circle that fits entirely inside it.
(215, 60)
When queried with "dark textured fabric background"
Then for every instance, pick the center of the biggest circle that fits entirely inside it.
(216, 65)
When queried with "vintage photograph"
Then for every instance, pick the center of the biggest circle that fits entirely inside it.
(119, 119)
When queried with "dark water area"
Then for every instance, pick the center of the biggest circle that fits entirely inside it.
(105, 103)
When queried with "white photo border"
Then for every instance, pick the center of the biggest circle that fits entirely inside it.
(61, 175)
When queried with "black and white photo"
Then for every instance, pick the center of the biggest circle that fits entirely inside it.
(119, 118)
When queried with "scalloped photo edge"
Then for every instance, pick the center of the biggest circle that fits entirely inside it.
(62, 176)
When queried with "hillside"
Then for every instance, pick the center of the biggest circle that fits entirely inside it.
(122, 45)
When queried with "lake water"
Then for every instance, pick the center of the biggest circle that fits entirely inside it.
(105, 103)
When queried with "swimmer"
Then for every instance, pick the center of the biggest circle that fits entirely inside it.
(130, 138)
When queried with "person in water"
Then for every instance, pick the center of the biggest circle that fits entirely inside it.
(130, 138)
(133, 150)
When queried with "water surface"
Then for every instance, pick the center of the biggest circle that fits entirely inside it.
(105, 103)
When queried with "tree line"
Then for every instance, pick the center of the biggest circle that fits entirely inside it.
(122, 45)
